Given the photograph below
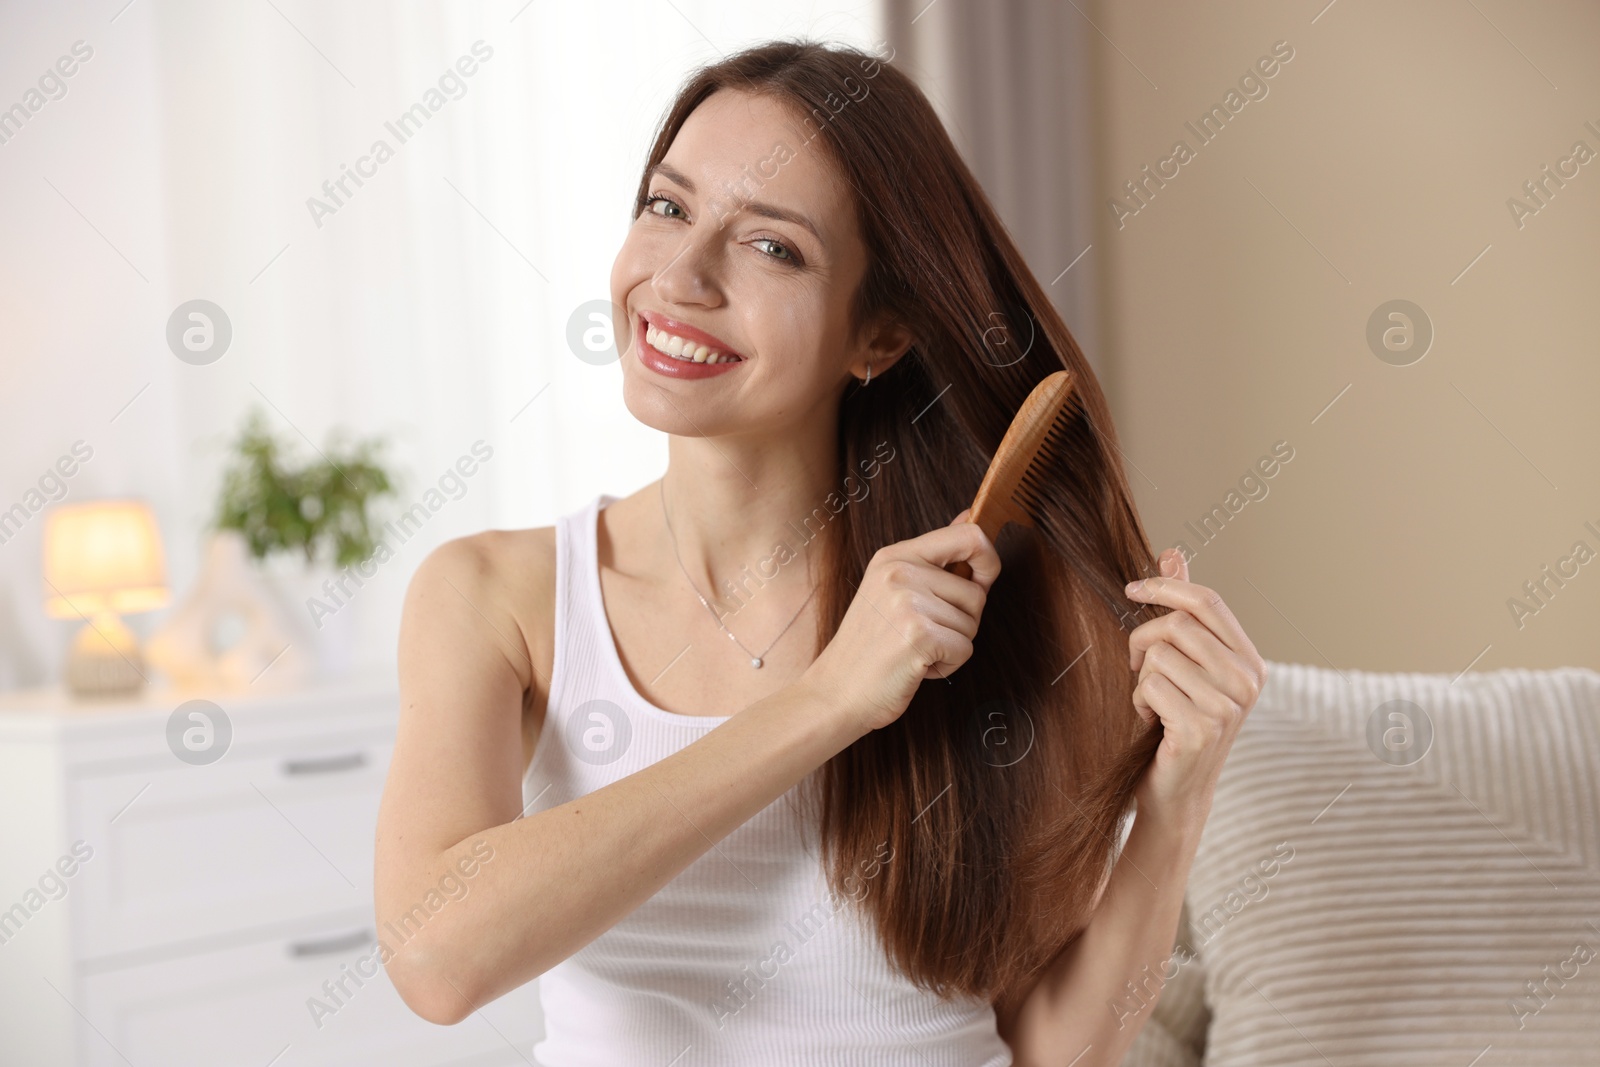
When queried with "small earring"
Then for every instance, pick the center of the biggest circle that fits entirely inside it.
(868, 380)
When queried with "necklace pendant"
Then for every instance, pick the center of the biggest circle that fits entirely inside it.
(755, 661)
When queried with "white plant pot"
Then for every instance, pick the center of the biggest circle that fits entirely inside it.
(324, 623)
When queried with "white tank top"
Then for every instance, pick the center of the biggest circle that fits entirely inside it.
(745, 957)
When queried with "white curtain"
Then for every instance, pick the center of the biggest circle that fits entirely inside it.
(429, 306)
(1013, 81)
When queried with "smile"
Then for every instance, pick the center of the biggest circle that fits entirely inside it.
(677, 350)
(686, 350)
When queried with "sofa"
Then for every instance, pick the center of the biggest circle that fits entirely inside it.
(1398, 869)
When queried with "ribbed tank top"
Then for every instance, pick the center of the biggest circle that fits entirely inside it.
(745, 957)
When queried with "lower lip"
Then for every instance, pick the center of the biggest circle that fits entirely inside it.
(665, 365)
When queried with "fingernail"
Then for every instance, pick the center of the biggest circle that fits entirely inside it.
(1134, 587)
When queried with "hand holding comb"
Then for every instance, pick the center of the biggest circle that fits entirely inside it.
(1010, 488)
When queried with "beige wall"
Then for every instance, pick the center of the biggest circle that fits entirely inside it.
(1236, 303)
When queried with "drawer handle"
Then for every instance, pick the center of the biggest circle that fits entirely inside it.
(329, 945)
(325, 764)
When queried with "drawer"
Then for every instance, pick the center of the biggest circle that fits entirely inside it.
(249, 1006)
(183, 853)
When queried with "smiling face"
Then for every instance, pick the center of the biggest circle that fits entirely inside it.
(747, 246)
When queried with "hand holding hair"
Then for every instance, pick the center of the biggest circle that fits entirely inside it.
(1200, 675)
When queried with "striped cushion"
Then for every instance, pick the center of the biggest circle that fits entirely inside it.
(1352, 903)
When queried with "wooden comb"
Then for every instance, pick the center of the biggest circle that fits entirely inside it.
(1009, 490)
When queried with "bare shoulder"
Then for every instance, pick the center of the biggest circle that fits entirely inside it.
(514, 570)
(521, 567)
(508, 577)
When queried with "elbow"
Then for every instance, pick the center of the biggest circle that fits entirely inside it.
(443, 987)
(433, 991)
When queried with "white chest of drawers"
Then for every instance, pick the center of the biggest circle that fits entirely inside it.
(160, 913)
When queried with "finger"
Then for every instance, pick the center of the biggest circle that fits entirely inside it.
(961, 568)
(1174, 564)
(958, 541)
(923, 633)
(1189, 676)
(1169, 704)
(1230, 673)
(945, 614)
(938, 600)
(961, 593)
(1203, 603)
(1143, 710)
(955, 649)
(1188, 633)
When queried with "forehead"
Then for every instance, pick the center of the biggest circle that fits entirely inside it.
(742, 146)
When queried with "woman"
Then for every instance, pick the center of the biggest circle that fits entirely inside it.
(818, 304)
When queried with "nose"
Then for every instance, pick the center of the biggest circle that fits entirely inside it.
(689, 277)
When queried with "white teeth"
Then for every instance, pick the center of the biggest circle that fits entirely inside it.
(678, 348)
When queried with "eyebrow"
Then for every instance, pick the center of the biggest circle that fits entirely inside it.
(755, 207)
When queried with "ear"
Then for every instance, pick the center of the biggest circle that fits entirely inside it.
(888, 340)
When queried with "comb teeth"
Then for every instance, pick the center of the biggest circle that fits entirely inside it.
(1028, 495)
(1025, 506)
(1013, 487)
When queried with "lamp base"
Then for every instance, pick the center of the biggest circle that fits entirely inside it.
(105, 660)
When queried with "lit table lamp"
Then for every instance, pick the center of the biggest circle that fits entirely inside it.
(102, 559)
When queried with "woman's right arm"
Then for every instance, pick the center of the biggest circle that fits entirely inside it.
(555, 880)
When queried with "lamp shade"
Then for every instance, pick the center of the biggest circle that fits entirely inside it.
(104, 555)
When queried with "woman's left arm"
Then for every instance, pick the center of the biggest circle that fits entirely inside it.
(1200, 675)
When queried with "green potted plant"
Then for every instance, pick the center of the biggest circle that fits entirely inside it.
(304, 519)
(317, 509)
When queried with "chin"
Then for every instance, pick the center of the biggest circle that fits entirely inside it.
(685, 413)
(647, 405)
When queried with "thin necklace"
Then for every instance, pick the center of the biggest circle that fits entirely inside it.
(755, 660)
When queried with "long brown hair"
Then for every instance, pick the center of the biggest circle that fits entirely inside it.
(1000, 793)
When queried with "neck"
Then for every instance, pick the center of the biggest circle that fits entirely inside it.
(738, 511)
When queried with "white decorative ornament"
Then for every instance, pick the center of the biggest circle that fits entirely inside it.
(230, 631)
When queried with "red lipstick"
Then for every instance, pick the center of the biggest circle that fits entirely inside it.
(670, 366)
